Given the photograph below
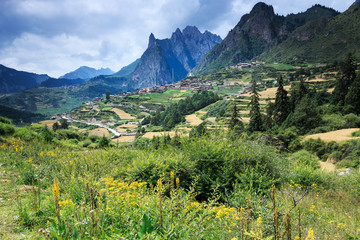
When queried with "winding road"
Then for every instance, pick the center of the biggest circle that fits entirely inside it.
(116, 133)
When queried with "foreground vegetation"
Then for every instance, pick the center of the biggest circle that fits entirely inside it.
(211, 186)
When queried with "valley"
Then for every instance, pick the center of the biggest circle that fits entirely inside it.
(253, 136)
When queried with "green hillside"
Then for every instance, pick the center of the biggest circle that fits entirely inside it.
(256, 33)
(321, 41)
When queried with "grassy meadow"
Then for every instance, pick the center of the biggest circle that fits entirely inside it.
(213, 186)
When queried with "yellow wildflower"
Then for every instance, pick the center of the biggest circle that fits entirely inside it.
(310, 235)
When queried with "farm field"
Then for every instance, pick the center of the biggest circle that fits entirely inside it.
(159, 134)
(48, 123)
(100, 132)
(193, 120)
(123, 139)
(337, 136)
(122, 114)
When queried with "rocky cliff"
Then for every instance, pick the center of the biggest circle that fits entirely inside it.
(169, 60)
(257, 32)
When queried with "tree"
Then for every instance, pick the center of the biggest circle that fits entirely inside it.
(55, 126)
(306, 115)
(198, 131)
(234, 117)
(298, 91)
(256, 123)
(345, 78)
(281, 108)
(64, 124)
(269, 114)
(107, 96)
(352, 99)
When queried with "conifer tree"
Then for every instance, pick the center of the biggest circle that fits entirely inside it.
(306, 115)
(281, 108)
(256, 123)
(234, 117)
(345, 78)
(352, 99)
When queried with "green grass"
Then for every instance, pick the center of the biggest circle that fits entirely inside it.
(116, 192)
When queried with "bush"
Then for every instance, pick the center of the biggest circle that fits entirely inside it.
(68, 134)
(315, 146)
(25, 134)
(5, 120)
(304, 158)
(334, 121)
(86, 143)
(6, 129)
(356, 134)
(352, 120)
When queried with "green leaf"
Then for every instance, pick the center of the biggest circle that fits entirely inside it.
(146, 226)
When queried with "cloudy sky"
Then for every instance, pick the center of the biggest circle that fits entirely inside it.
(58, 36)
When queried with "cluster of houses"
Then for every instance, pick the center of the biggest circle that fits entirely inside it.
(193, 84)
(244, 65)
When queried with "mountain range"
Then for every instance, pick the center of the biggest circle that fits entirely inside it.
(318, 35)
(169, 60)
(322, 40)
(256, 33)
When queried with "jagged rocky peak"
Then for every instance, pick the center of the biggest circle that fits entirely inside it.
(168, 60)
(152, 40)
(262, 7)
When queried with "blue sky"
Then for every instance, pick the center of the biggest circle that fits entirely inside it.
(58, 36)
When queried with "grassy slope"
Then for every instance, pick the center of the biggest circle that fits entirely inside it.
(332, 42)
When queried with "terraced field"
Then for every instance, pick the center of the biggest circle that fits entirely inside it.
(337, 136)
(99, 132)
(122, 114)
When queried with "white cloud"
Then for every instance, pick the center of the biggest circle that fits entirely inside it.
(59, 36)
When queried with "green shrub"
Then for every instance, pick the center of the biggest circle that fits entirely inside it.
(336, 155)
(86, 143)
(5, 120)
(334, 121)
(94, 138)
(316, 146)
(68, 134)
(25, 134)
(356, 134)
(352, 120)
(304, 158)
(6, 129)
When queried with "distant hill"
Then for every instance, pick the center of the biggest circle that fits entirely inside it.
(257, 32)
(129, 69)
(87, 73)
(59, 82)
(169, 60)
(12, 80)
(20, 117)
(323, 40)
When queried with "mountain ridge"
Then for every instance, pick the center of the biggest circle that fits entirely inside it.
(169, 60)
(12, 80)
(322, 40)
(255, 33)
(85, 72)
